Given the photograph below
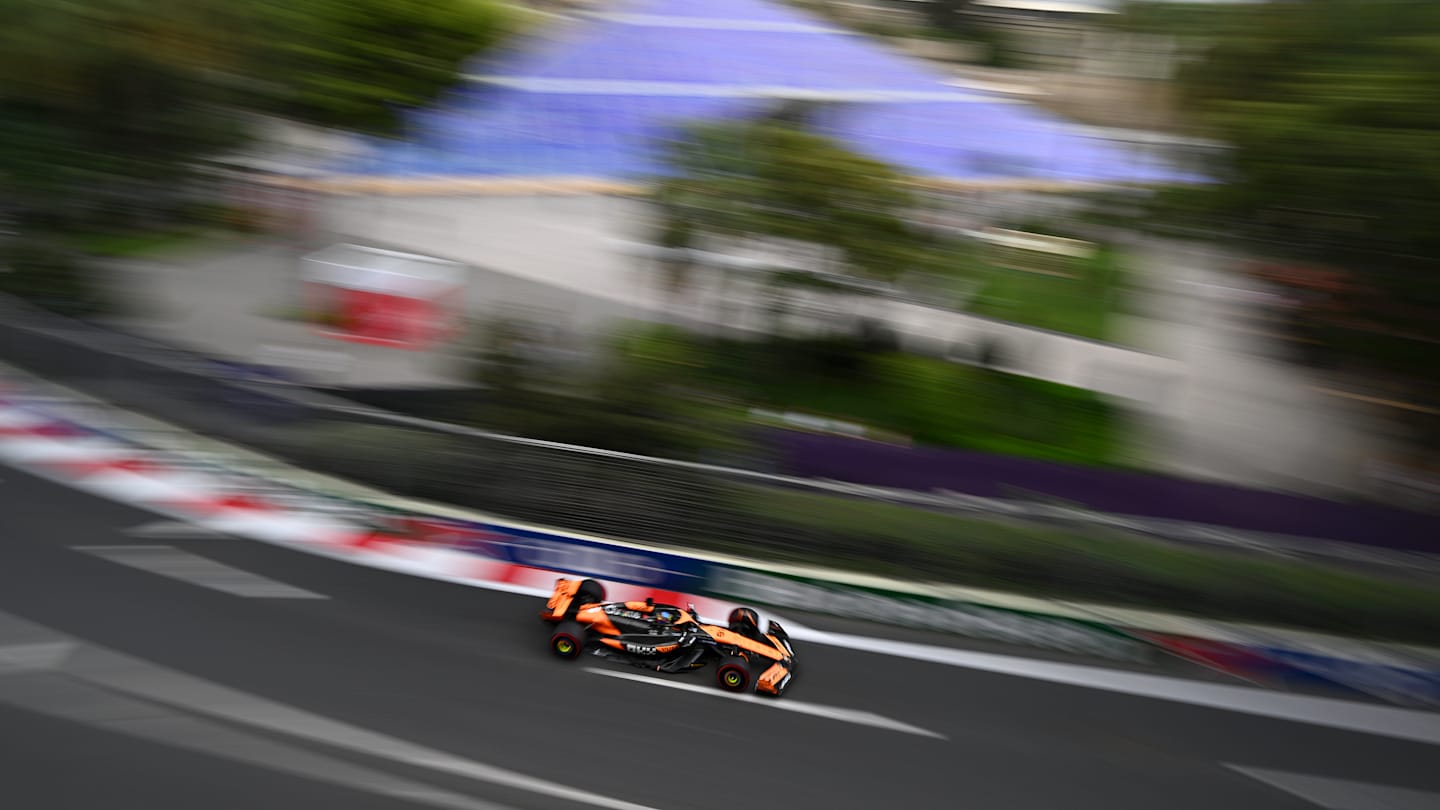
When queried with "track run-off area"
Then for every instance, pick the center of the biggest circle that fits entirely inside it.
(160, 665)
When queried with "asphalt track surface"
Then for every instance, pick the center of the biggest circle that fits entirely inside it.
(190, 697)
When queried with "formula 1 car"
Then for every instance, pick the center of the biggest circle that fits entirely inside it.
(664, 638)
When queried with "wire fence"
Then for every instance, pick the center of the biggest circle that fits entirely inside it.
(620, 495)
(577, 488)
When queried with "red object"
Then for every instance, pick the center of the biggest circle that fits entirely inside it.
(1231, 659)
(383, 297)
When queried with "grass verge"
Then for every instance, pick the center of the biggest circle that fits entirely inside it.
(1107, 568)
(139, 244)
(684, 508)
(934, 402)
(1078, 299)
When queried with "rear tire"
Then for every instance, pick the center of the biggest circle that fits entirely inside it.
(568, 640)
(733, 674)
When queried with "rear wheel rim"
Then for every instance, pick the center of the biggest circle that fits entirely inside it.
(732, 678)
(564, 646)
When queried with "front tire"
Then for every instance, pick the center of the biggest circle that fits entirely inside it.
(733, 674)
(568, 640)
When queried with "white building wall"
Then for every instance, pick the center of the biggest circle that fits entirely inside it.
(571, 262)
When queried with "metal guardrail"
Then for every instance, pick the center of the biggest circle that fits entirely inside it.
(577, 488)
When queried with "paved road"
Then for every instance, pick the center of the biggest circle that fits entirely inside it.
(123, 683)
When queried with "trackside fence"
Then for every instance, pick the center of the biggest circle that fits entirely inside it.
(576, 488)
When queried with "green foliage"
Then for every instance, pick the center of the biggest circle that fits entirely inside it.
(66, 55)
(950, 15)
(776, 179)
(355, 64)
(135, 244)
(935, 402)
(502, 365)
(954, 20)
(630, 502)
(114, 56)
(1079, 302)
(48, 274)
(1102, 567)
(776, 182)
(109, 107)
(629, 404)
(944, 404)
(1198, 20)
(664, 391)
(1332, 122)
(110, 100)
(105, 105)
(145, 68)
(1330, 110)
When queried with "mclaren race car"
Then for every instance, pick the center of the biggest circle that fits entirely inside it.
(665, 638)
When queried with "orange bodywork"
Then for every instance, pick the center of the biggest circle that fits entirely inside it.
(617, 644)
(560, 600)
(593, 615)
(726, 636)
(772, 655)
(596, 617)
(772, 680)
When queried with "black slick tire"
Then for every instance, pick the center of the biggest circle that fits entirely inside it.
(732, 673)
(568, 640)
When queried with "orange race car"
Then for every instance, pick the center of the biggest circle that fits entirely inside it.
(665, 638)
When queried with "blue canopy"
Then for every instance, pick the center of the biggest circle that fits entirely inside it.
(600, 97)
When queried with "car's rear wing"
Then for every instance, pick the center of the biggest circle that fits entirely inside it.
(559, 602)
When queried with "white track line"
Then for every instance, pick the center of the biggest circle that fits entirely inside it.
(34, 657)
(171, 562)
(1343, 794)
(1397, 723)
(173, 530)
(1385, 721)
(90, 705)
(157, 687)
(832, 712)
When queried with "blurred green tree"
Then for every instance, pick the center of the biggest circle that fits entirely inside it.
(357, 64)
(776, 185)
(1330, 112)
(105, 103)
(109, 107)
(950, 15)
(632, 401)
